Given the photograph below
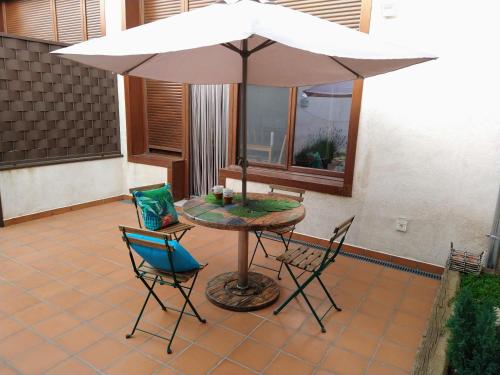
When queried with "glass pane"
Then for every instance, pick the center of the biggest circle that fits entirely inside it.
(322, 125)
(267, 122)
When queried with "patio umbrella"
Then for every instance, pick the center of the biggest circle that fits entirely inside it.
(247, 42)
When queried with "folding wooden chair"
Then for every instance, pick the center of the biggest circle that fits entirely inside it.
(156, 276)
(314, 261)
(177, 230)
(285, 234)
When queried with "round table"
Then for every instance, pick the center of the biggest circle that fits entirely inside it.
(241, 290)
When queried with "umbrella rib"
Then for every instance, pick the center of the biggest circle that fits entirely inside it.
(232, 48)
(263, 45)
(346, 67)
(138, 65)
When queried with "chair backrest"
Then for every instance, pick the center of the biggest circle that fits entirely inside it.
(142, 188)
(158, 250)
(162, 246)
(297, 194)
(339, 234)
(144, 232)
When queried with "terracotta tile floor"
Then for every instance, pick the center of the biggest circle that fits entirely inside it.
(68, 297)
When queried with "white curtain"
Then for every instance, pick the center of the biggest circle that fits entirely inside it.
(208, 138)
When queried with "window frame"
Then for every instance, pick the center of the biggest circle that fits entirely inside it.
(138, 150)
(325, 181)
(292, 125)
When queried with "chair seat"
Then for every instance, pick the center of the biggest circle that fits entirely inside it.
(283, 230)
(303, 257)
(181, 277)
(177, 227)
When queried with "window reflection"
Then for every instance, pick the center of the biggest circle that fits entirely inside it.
(322, 125)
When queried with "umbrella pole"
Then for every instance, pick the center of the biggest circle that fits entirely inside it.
(243, 120)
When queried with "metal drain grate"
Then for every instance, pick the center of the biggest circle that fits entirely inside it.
(363, 258)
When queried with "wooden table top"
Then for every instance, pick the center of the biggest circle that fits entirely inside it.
(198, 211)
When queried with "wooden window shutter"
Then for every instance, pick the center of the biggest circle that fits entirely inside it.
(93, 14)
(344, 12)
(193, 4)
(69, 21)
(157, 9)
(39, 16)
(163, 99)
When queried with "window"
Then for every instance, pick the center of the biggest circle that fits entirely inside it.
(267, 124)
(306, 136)
(303, 137)
(322, 126)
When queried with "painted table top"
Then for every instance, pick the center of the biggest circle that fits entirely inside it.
(198, 211)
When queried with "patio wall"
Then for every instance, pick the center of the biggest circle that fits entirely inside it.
(31, 190)
(428, 145)
(429, 139)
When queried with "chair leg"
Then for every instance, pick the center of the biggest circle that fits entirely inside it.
(279, 271)
(153, 293)
(142, 309)
(259, 242)
(178, 239)
(286, 243)
(300, 290)
(328, 294)
(186, 302)
(202, 320)
(254, 251)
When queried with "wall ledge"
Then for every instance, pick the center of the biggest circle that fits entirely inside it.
(376, 255)
(61, 210)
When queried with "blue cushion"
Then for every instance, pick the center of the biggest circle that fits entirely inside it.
(183, 261)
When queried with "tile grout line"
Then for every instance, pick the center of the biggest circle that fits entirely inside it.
(137, 348)
(382, 337)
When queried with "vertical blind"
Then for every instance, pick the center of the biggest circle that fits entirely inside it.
(208, 138)
(54, 20)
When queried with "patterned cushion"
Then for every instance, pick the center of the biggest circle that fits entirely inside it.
(157, 207)
(182, 260)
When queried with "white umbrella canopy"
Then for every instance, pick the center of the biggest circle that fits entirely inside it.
(247, 42)
(189, 48)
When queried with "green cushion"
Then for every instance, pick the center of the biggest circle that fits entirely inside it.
(157, 207)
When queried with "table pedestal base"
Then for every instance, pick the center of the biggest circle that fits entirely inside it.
(223, 291)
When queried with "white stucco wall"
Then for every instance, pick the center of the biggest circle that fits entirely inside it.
(30, 190)
(429, 137)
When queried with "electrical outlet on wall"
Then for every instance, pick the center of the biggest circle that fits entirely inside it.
(402, 224)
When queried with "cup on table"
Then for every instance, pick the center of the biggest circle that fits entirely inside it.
(218, 190)
(228, 196)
